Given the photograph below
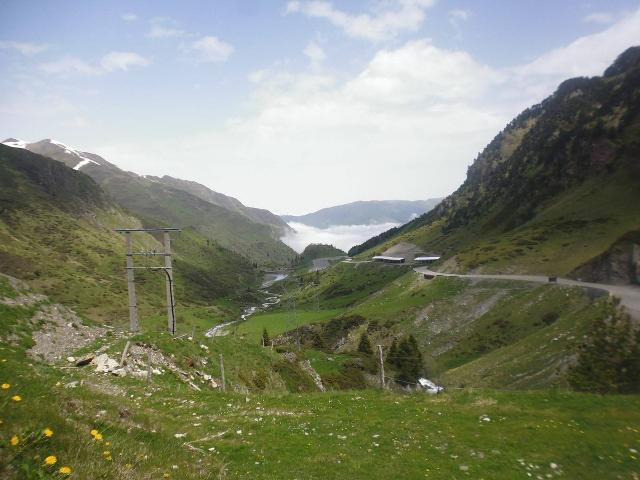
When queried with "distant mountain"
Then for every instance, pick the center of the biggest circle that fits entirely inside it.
(365, 213)
(556, 192)
(251, 232)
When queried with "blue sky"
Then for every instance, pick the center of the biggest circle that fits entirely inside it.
(295, 105)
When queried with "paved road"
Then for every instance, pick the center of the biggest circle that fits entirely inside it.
(629, 295)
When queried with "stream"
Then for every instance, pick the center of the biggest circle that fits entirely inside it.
(270, 300)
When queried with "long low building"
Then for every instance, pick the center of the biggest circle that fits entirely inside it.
(386, 259)
(426, 259)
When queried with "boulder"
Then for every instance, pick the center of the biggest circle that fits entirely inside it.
(84, 360)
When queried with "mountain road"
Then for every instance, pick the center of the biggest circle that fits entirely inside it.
(629, 295)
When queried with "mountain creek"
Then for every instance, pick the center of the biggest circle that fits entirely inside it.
(270, 300)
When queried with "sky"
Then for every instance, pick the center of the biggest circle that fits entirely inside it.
(295, 105)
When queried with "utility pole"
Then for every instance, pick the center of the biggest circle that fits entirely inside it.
(131, 286)
(171, 308)
(224, 383)
(295, 321)
(167, 269)
(381, 367)
(149, 370)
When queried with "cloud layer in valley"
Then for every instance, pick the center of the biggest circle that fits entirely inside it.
(342, 236)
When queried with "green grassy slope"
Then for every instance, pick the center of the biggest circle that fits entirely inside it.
(555, 189)
(500, 333)
(257, 242)
(56, 230)
(166, 430)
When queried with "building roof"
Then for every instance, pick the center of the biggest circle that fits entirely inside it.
(426, 259)
(383, 257)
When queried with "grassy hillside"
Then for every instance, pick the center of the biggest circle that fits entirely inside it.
(257, 242)
(111, 427)
(258, 215)
(57, 231)
(498, 333)
(251, 232)
(555, 189)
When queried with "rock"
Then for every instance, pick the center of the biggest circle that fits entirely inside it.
(104, 364)
(73, 384)
(71, 359)
(84, 360)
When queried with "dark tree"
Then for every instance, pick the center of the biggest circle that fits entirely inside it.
(365, 345)
(409, 361)
(392, 356)
(609, 358)
(266, 341)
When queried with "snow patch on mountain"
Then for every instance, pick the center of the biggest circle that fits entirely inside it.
(15, 143)
(84, 162)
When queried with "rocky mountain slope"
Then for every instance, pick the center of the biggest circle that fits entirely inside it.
(253, 233)
(365, 213)
(556, 189)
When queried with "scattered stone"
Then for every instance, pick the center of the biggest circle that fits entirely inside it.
(73, 384)
(84, 360)
(71, 359)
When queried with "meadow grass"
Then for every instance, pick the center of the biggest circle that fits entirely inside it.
(280, 322)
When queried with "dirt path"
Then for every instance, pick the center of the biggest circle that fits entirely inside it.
(629, 295)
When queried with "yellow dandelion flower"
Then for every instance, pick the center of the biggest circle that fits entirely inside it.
(94, 432)
(16, 398)
(107, 443)
(14, 440)
(98, 436)
(5, 386)
(47, 432)
(109, 458)
(65, 470)
(50, 460)
(106, 453)
(166, 475)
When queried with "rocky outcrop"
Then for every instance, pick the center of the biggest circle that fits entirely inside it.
(619, 265)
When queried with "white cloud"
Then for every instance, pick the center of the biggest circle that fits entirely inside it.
(110, 62)
(129, 17)
(162, 27)
(406, 125)
(342, 236)
(315, 53)
(122, 61)
(25, 48)
(384, 24)
(456, 18)
(587, 56)
(211, 49)
(420, 72)
(459, 15)
(602, 18)
(69, 66)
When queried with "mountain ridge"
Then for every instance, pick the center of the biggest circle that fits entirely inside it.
(365, 212)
